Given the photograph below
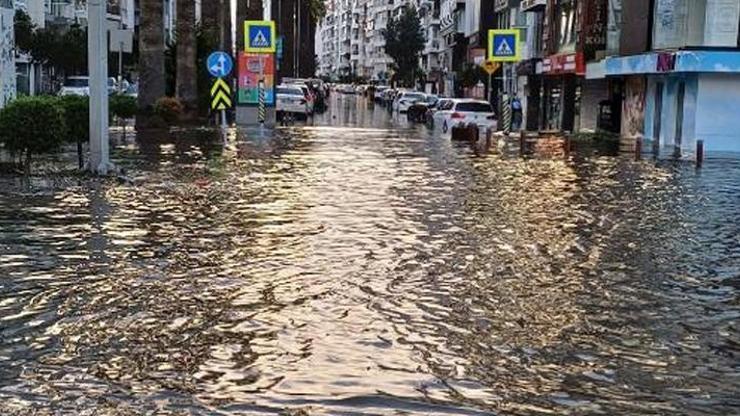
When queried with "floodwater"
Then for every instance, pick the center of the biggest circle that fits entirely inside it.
(361, 266)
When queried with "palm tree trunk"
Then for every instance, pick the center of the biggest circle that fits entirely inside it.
(186, 85)
(244, 12)
(151, 53)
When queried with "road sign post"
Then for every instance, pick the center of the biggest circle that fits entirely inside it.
(503, 46)
(257, 77)
(490, 67)
(220, 65)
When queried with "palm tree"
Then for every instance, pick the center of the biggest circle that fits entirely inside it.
(151, 53)
(186, 85)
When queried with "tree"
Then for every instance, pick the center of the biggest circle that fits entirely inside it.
(76, 116)
(23, 135)
(404, 41)
(470, 75)
(317, 9)
(187, 77)
(23, 28)
(151, 54)
(71, 54)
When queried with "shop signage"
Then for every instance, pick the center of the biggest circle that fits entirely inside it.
(666, 62)
(595, 24)
(564, 64)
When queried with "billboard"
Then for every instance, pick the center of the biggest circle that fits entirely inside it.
(254, 67)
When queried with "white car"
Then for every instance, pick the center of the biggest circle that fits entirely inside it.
(404, 99)
(454, 112)
(291, 100)
(76, 86)
(310, 99)
(378, 95)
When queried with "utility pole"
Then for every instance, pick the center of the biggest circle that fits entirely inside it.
(98, 68)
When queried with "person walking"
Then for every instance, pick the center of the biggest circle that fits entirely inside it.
(516, 114)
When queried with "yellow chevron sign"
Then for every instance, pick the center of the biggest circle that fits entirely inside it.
(220, 95)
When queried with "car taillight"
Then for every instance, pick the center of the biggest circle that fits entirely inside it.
(457, 116)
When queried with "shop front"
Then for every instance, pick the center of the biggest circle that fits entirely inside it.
(562, 78)
(673, 99)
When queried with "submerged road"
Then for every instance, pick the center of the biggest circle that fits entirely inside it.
(362, 266)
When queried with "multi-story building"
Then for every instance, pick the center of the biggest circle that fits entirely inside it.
(7, 52)
(681, 73)
(431, 60)
(353, 44)
(453, 43)
(530, 15)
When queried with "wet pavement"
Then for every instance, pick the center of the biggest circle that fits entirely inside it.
(362, 266)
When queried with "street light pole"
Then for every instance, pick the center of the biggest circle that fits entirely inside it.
(98, 69)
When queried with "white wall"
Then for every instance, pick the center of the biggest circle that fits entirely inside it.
(7, 54)
(722, 20)
(472, 17)
(718, 106)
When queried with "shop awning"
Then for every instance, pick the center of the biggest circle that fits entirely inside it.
(675, 61)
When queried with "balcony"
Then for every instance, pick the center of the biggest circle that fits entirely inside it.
(533, 5)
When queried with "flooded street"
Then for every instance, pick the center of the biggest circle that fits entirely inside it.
(363, 266)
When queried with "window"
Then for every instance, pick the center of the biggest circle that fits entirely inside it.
(566, 15)
(474, 107)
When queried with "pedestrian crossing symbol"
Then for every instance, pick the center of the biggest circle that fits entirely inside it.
(259, 36)
(503, 45)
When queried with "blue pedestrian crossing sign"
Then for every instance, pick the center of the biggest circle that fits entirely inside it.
(503, 45)
(220, 64)
(259, 36)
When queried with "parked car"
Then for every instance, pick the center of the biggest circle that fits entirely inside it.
(466, 111)
(418, 110)
(112, 85)
(404, 100)
(76, 86)
(440, 105)
(291, 100)
(378, 95)
(132, 90)
(310, 98)
(387, 97)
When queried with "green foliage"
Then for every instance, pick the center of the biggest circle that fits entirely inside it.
(404, 41)
(76, 111)
(123, 106)
(32, 125)
(470, 75)
(317, 9)
(169, 109)
(23, 30)
(64, 50)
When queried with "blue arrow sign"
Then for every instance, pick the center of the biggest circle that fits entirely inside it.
(220, 64)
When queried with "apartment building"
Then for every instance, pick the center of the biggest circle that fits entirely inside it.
(681, 74)
(7, 52)
(352, 42)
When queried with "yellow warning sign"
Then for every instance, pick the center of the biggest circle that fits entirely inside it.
(490, 67)
(220, 95)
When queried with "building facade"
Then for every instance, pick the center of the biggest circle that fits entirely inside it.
(680, 74)
(353, 45)
(7, 52)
